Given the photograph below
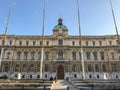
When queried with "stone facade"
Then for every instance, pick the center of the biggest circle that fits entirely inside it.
(22, 54)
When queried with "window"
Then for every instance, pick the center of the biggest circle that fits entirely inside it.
(60, 55)
(8, 55)
(47, 43)
(112, 56)
(25, 55)
(40, 43)
(74, 55)
(73, 43)
(89, 67)
(20, 43)
(96, 68)
(86, 43)
(46, 55)
(102, 55)
(110, 43)
(100, 43)
(88, 55)
(119, 55)
(32, 55)
(74, 68)
(18, 54)
(10, 42)
(39, 55)
(60, 42)
(95, 55)
(27, 43)
(34, 43)
(46, 67)
(93, 43)
(7, 67)
(80, 55)
(104, 68)
(81, 68)
(114, 67)
(117, 42)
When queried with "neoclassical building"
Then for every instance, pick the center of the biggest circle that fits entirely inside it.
(62, 56)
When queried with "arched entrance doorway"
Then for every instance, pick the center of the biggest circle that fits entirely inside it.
(60, 72)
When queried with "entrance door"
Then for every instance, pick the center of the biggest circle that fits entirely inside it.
(60, 72)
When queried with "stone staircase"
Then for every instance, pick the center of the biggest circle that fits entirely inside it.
(62, 85)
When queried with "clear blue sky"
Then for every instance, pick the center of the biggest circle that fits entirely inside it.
(26, 16)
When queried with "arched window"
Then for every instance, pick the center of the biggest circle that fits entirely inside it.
(102, 55)
(74, 68)
(88, 55)
(46, 67)
(95, 55)
(60, 55)
(74, 55)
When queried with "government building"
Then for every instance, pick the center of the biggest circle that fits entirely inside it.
(62, 56)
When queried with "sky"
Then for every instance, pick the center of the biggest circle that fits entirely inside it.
(27, 15)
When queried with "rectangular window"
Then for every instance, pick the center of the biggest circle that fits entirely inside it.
(60, 42)
(88, 55)
(25, 55)
(39, 55)
(117, 42)
(110, 43)
(18, 55)
(40, 43)
(89, 67)
(34, 43)
(32, 55)
(96, 68)
(74, 55)
(93, 43)
(27, 43)
(47, 43)
(100, 43)
(104, 68)
(86, 43)
(73, 43)
(46, 55)
(10, 42)
(80, 55)
(20, 43)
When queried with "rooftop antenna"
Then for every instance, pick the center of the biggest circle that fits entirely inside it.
(114, 22)
(81, 50)
(5, 33)
(42, 51)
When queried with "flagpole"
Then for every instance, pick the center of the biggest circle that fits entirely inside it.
(42, 50)
(81, 50)
(5, 33)
(114, 22)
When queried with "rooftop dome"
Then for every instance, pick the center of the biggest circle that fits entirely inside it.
(60, 25)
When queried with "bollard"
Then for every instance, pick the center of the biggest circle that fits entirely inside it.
(67, 88)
